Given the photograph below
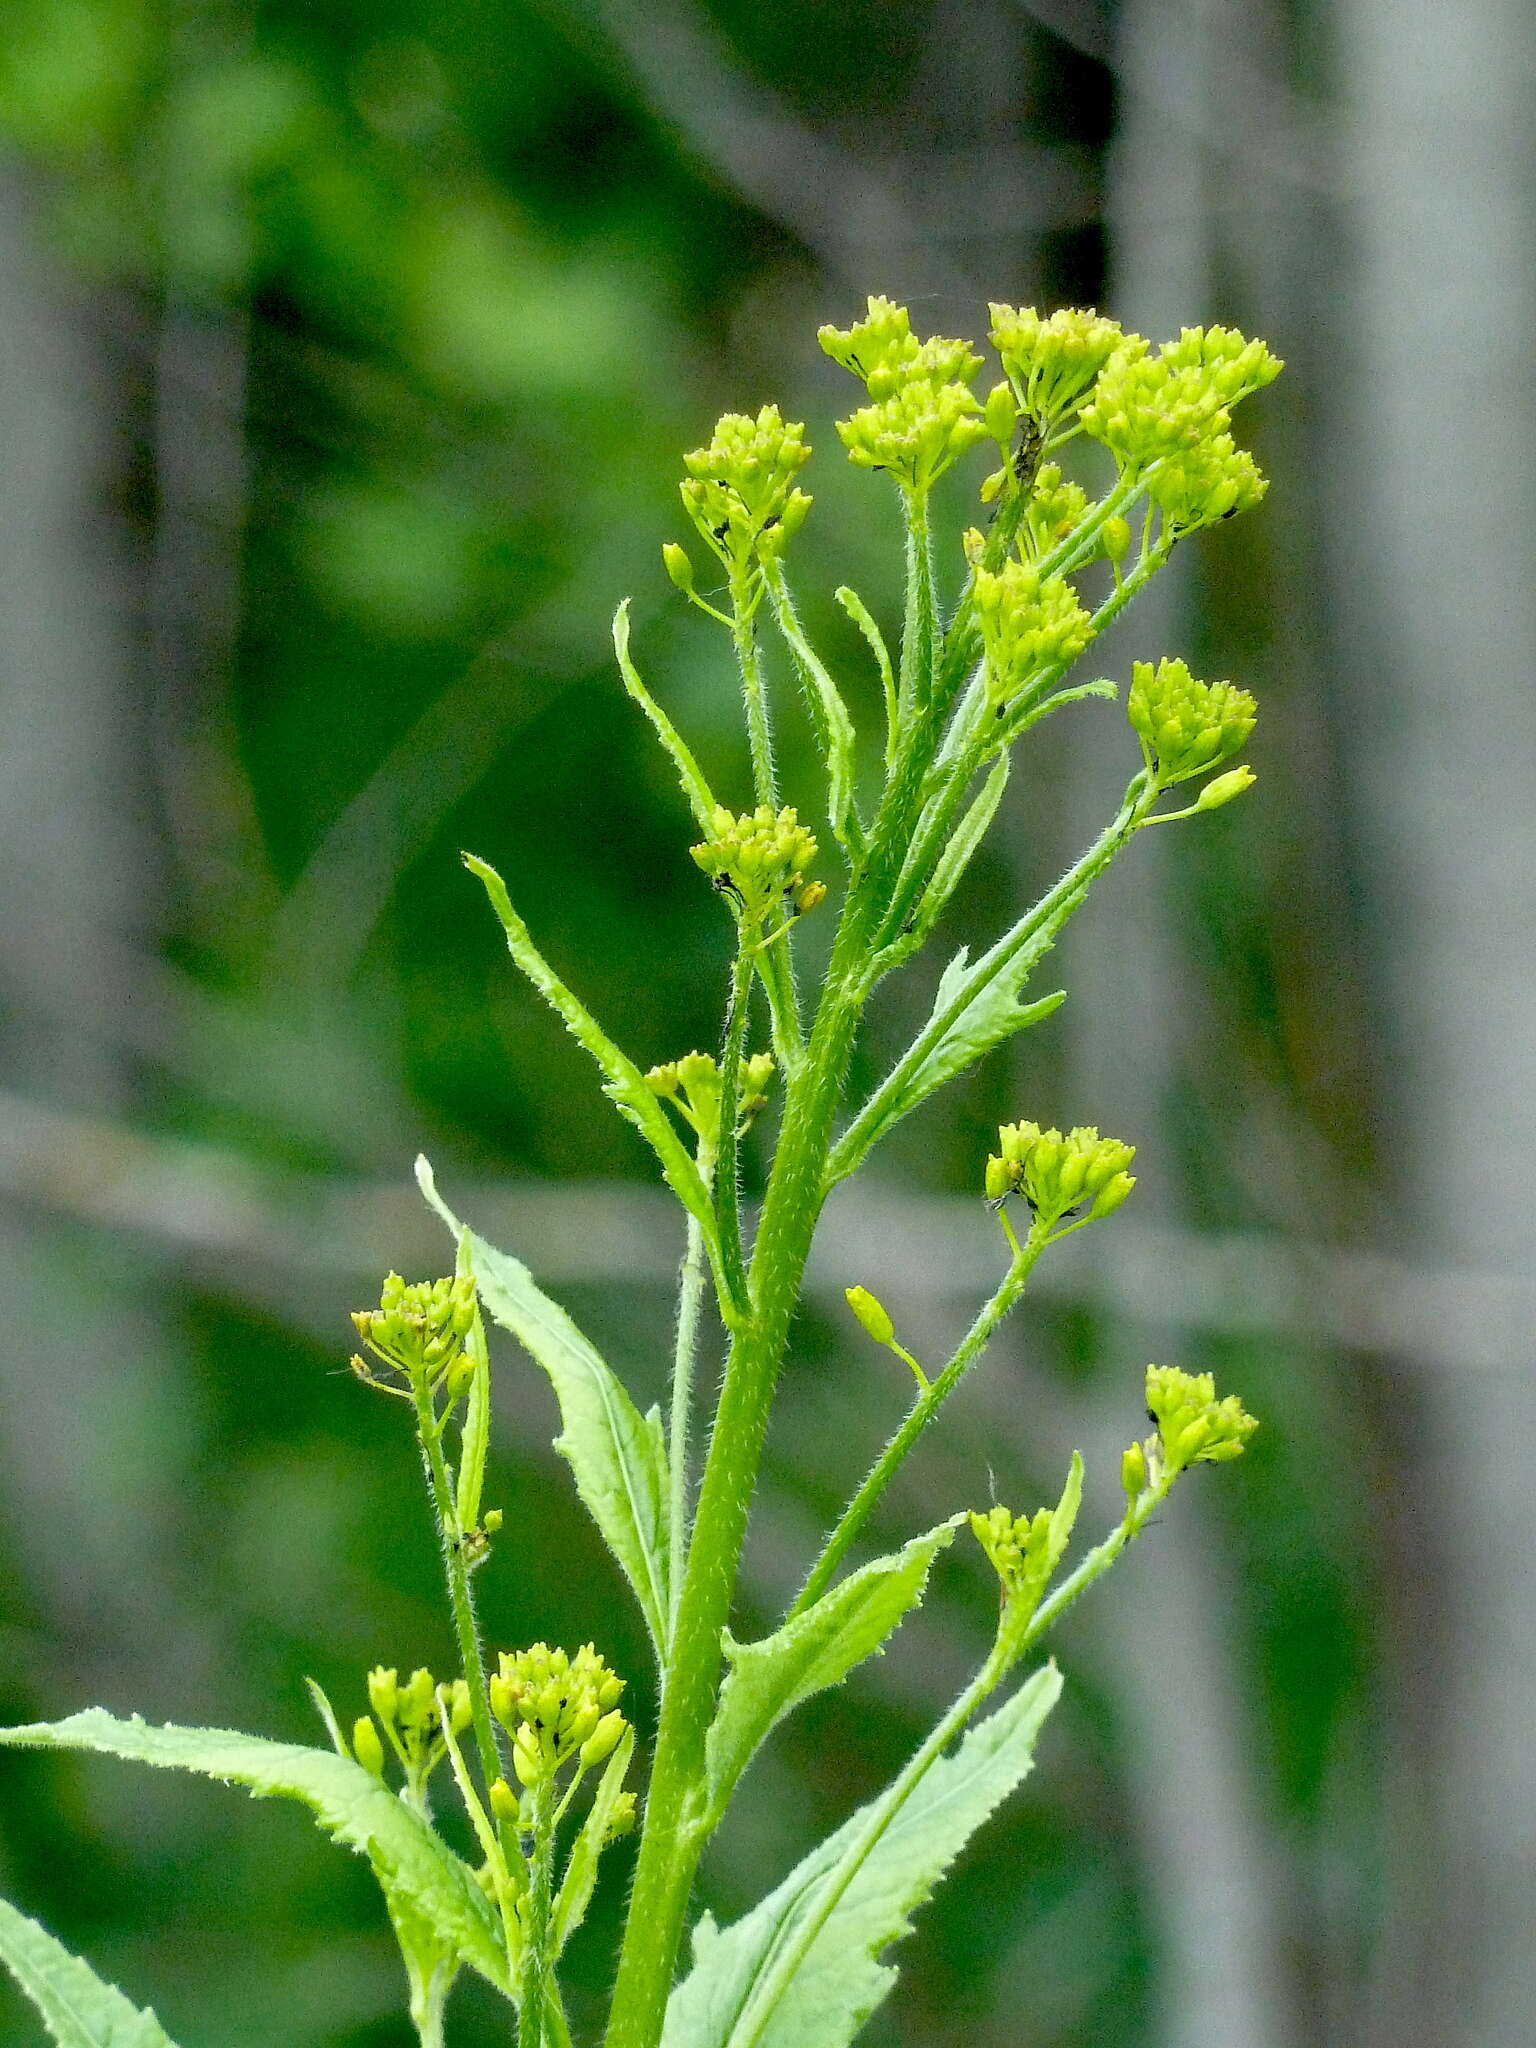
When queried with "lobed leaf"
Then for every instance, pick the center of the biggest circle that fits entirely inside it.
(993, 1014)
(817, 1649)
(875, 1877)
(617, 1456)
(417, 1870)
(79, 2009)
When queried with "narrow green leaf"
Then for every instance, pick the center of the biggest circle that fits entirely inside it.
(728, 2001)
(818, 1649)
(829, 716)
(956, 857)
(864, 619)
(79, 2008)
(415, 1868)
(618, 1457)
(625, 1085)
(695, 788)
(576, 1886)
(475, 1429)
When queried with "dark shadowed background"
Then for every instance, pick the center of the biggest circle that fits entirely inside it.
(346, 356)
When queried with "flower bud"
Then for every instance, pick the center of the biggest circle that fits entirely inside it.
(1001, 415)
(491, 1521)
(504, 1802)
(1222, 788)
(601, 1743)
(1115, 539)
(678, 566)
(366, 1746)
(384, 1692)
(1133, 1472)
(871, 1314)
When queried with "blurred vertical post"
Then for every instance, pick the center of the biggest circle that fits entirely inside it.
(1178, 1663)
(88, 1416)
(1435, 502)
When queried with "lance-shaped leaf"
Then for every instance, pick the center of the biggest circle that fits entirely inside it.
(957, 856)
(79, 2009)
(624, 1083)
(700, 800)
(576, 1887)
(414, 1866)
(818, 1649)
(617, 1456)
(829, 715)
(855, 1896)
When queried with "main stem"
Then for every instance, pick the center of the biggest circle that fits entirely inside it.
(672, 1840)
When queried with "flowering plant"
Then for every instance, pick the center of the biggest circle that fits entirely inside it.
(538, 1747)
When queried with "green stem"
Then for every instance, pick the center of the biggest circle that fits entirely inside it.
(460, 1598)
(672, 1838)
(532, 2014)
(690, 1298)
(727, 1179)
(920, 628)
(922, 1412)
(754, 693)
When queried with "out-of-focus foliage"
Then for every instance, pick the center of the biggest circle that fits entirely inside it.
(405, 313)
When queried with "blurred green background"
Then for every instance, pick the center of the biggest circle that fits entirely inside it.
(346, 357)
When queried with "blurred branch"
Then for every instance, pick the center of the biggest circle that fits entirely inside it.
(205, 1200)
(751, 137)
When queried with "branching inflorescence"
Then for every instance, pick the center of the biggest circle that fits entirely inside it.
(536, 1745)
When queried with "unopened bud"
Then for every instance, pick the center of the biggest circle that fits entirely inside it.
(678, 567)
(1000, 414)
(491, 1521)
(366, 1746)
(1112, 1194)
(871, 1313)
(1222, 788)
(1133, 1472)
(504, 1801)
(384, 1692)
(1115, 539)
(601, 1743)
(808, 898)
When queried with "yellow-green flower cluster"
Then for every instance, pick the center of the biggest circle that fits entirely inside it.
(739, 490)
(760, 859)
(1056, 508)
(692, 1086)
(419, 1330)
(1051, 363)
(922, 414)
(557, 1709)
(1023, 1552)
(1058, 1174)
(411, 1716)
(1193, 1427)
(1172, 412)
(1029, 624)
(1185, 726)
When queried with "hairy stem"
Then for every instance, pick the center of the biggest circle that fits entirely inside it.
(532, 2014)
(690, 1299)
(921, 1413)
(753, 690)
(672, 1838)
(456, 1570)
